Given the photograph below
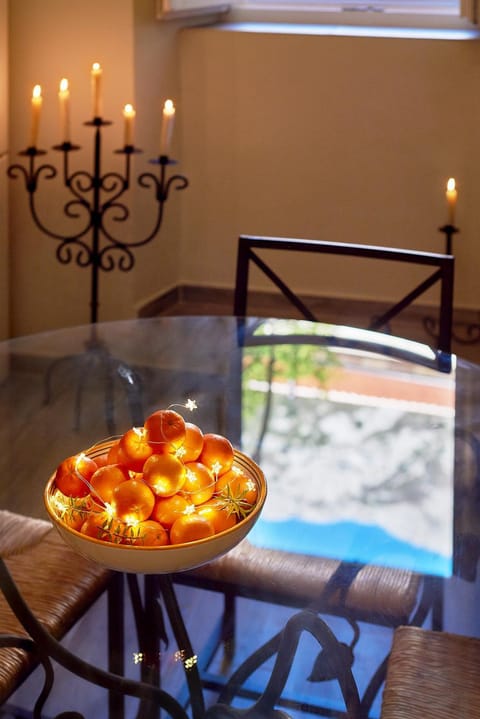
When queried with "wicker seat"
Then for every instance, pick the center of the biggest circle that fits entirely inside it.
(366, 592)
(432, 674)
(58, 585)
(369, 593)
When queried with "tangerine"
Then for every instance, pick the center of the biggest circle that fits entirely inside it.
(113, 455)
(101, 460)
(217, 453)
(193, 444)
(101, 525)
(105, 479)
(218, 514)
(73, 475)
(238, 486)
(134, 449)
(190, 528)
(164, 474)
(132, 501)
(71, 510)
(168, 509)
(165, 430)
(148, 533)
(199, 484)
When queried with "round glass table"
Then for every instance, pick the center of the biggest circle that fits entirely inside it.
(368, 444)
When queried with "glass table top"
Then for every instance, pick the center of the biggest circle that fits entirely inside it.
(367, 442)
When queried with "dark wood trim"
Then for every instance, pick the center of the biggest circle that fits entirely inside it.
(193, 299)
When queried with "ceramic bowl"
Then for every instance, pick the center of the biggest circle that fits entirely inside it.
(164, 559)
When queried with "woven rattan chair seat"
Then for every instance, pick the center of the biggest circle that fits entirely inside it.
(59, 586)
(368, 591)
(432, 674)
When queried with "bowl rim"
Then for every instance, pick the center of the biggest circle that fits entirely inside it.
(244, 460)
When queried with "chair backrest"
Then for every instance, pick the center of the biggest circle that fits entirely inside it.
(443, 266)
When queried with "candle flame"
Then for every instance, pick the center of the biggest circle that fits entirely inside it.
(169, 107)
(128, 110)
(63, 84)
(96, 67)
(37, 91)
(451, 184)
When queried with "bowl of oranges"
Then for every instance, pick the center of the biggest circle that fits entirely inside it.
(164, 497)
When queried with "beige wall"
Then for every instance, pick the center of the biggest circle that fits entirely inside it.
(347, 139)
(336, 138)
(139, 55)
(49, 40)
(4, 256)
(156, 77)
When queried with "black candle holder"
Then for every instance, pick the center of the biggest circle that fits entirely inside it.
(96, 197)
(449, 231)
(464, 333)
(103, 252)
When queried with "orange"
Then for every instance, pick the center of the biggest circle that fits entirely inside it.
(113, 456)
(217, 453)
(105, 479)
(165, 430)
(164, 473)
(193, 444)
(219, 515)
(168, 509)
(237, 485)
(132, 501)
(74, 474)
(101, 460)
(71, 510)
(190, 528)
(134, 449)
(101, 525)
(199, 483)
(147, 534)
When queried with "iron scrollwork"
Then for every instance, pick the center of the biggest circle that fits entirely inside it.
(94, 245)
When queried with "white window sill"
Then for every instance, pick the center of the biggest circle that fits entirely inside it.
(347, 30)
(269, 18)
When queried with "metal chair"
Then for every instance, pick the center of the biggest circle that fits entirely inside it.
(443, 265)
(57, 585)
(432, 675)
(367, 593)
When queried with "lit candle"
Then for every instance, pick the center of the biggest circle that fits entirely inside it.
(129, 115)
(64, 100)
(36, 108)
(167, 127)
(96, 75)
(451, 195)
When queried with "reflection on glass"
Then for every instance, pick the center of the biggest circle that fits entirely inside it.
(357, 449)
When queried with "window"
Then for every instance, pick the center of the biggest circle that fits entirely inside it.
(172, 9)
(440, 7)
(429, 13)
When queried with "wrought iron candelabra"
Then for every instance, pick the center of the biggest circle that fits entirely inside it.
(93, 244)
(449, 231)
(95, 204)
(464, 333)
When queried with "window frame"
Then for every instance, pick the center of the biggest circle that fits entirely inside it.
(375, 13)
